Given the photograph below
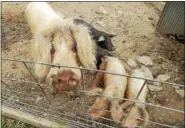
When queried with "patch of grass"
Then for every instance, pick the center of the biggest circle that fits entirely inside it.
(11, 123)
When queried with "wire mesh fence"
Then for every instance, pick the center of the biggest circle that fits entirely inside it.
(34, 98)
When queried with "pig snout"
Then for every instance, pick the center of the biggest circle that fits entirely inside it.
(65, 80)
(68, 77)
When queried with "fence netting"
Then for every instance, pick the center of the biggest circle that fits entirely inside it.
(35, 98)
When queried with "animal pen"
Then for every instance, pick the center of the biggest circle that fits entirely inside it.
(25, 99)
(39, 109)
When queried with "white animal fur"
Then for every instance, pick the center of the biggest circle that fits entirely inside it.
(46, 26)
(134, 86)
(115, 86)
(38, 14)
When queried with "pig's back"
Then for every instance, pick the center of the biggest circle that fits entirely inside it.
(135, 85)
(39, 13)
(115, 82)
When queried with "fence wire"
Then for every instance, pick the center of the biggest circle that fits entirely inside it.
(71, 118)
(135, 101)
(88, 69)
(6, 96)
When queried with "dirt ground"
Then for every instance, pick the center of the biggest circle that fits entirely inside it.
(135, 26)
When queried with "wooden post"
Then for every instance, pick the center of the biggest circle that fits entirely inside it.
(30, 119)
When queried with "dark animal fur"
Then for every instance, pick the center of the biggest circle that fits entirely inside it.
(96, 34)
(103, 47)
(101, 53)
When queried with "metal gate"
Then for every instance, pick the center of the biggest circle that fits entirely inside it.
(171, 21)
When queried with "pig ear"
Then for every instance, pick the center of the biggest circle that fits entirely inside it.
(94, 113)
(42, 47)
(94, 91)
(92, 110)
(86, 47)
(126, 104)
(144, 115)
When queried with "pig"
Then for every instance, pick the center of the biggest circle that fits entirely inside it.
(137, 109)
(59, 41)
(113, 86)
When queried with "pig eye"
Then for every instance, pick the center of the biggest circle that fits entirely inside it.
(52, 52)
(74, 49)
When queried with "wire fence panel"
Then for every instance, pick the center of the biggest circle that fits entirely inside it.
(34, 98)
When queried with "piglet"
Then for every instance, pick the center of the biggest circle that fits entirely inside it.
(114, 86)
(137, 109)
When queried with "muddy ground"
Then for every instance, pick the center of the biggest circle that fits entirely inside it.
(135, 26)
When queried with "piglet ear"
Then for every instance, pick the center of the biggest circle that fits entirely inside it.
(94, 91)
(116, 111)
(126, 104)
(92, 110)
(145, 115)
(93, 113)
